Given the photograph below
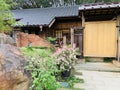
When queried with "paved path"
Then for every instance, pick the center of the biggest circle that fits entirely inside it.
(99, 80)
(100, 66)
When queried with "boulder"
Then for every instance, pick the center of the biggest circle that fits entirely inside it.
(6, 39)
(12, 74)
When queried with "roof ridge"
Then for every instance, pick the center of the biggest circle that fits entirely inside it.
(48, 8)
(100, 3)
(99, 6)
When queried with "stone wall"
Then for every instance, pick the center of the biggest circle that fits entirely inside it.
(24, 39)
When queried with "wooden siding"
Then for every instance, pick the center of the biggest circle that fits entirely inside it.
(67, 25)
(63, 29)
(100, 39)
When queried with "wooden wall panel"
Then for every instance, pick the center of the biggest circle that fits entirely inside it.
(63, 25)
(100, 39)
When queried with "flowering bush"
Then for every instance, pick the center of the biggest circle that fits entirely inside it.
(66, 57)
(42, 68)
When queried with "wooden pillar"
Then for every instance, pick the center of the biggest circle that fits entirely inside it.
(72, 37)
(118, 48)
(64, 40)
(83, 20)
(83, 25)
(118, 43)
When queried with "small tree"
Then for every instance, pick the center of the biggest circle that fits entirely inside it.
(6, 17)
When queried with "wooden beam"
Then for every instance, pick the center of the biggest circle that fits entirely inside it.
(98, 17)
(51, 23)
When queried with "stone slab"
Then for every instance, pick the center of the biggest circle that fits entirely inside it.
(116, 63)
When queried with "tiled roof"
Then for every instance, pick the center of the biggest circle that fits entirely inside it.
(43, 16)
(99, 6)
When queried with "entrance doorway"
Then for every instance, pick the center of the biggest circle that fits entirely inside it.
(78, 40)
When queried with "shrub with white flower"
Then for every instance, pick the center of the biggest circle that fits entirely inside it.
(66, 57)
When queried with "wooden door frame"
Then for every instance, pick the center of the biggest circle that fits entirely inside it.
(73, 34)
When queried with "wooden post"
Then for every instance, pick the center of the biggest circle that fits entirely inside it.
(64, 40)
(118, 51)
(72, 37)
(83, 25)
(83, 20)
(118, 48)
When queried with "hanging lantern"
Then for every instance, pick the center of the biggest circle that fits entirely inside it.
(40, 27)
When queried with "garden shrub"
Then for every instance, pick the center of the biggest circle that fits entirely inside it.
(42, 67)
(43, 73)
(52, 40)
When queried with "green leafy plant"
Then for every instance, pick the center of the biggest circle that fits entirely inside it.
(6, 17)
(43, 69)
(43, 73)
(52, 40)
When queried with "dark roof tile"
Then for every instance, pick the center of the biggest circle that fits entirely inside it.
(43, 16)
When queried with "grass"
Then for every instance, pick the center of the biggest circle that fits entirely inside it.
(35, 51)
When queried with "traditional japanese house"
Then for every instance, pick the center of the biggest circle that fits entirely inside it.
(91, 26)
(48, 22)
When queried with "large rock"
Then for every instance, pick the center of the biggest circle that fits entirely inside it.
(12, 75)
(24, 39)
(6, 39)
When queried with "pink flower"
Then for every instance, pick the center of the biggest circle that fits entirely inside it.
(74, 46)
(64, 47)
(58, 51)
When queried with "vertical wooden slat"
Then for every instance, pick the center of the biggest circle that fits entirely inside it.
(100, 39)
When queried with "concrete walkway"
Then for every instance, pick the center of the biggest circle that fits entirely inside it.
(96, 78)
(97, 66)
